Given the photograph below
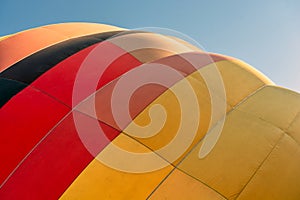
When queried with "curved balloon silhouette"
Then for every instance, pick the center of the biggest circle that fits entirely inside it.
(93, 111)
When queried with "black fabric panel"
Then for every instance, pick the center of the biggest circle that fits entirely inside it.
(8, 89)
(33, 66)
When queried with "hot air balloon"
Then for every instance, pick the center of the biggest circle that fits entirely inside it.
(93, 111)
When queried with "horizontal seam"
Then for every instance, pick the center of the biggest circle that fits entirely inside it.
(270, 123)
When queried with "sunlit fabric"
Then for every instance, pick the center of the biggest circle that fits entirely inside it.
(49, 148)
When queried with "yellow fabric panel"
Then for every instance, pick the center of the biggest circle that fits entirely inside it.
(213, 89)
(240, 80)
(251, 70)
(243, 145)
(98, 181)
(181, 186)
(136, 41)
(189, 45)
(170, 102)
(278, 177)
(150, 54)
(273, 104)
(242, 75)
(124, 152)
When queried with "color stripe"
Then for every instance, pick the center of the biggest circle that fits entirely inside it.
(59, 81)
(19, 100)
(25, 43)
(56, 161)
(29, 69)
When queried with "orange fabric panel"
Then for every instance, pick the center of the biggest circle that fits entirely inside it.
(23, 44)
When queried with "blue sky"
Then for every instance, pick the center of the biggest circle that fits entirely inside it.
(265, 34)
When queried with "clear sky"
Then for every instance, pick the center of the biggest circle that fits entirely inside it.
(263, 33)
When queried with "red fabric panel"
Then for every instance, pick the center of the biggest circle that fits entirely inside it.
(25, 119)
(188, 63)
(57, 161)
(59, 81)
